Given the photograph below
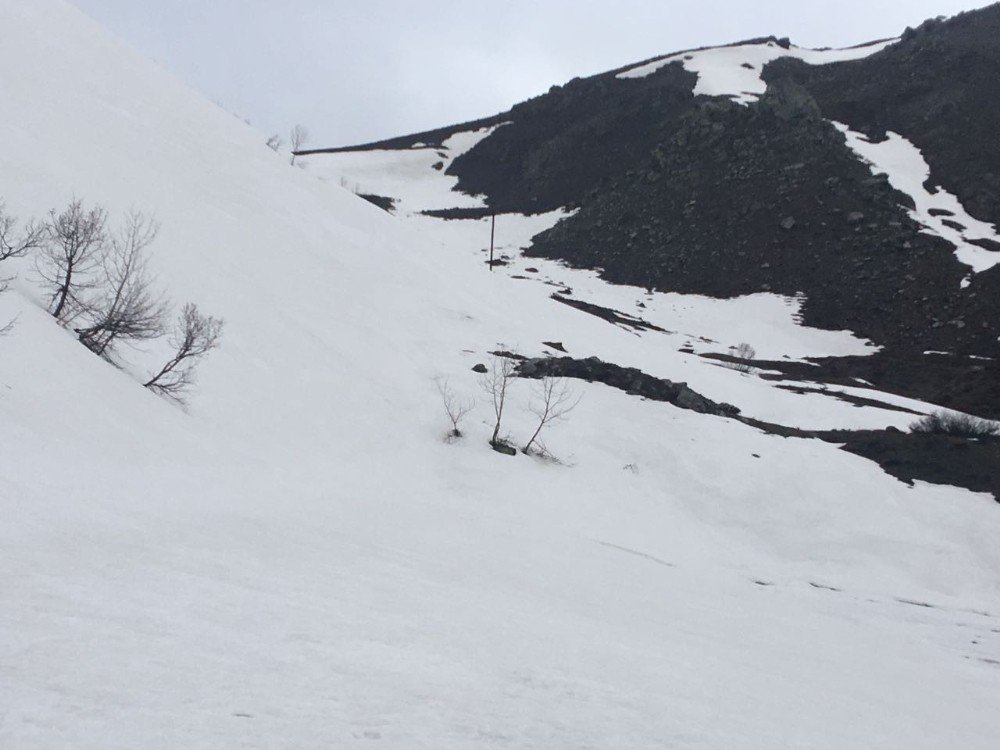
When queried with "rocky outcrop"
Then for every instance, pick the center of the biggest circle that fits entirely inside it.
(769, 198)
(628, 379)
(935, 88)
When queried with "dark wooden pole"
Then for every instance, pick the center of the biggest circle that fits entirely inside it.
(493, 229)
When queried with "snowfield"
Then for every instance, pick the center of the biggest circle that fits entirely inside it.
(300, 560)
(403, 174)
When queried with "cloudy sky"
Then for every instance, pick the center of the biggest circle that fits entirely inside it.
(360, 70)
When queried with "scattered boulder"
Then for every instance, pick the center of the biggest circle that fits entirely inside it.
(501, 446)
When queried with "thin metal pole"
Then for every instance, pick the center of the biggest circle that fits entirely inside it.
(493, 229)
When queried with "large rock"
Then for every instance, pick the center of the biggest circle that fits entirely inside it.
(627, 379)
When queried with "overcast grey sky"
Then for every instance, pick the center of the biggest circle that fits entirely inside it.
(360, 70)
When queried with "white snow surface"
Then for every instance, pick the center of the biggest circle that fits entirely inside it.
(691, 324)
(907, 171)
(300, 560)
(402, 174)
(735, 71)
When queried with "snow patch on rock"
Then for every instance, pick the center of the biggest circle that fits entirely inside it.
(940, 212)
(735, 71)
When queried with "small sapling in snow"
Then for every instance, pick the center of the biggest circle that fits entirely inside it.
(455, 407)
(551, 401)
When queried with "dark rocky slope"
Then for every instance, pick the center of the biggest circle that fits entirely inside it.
(696, 194)
(768, 198)
(938, 88)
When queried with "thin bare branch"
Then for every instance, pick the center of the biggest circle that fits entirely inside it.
(551, 401)
(128, 309)
(456, 408)
(744, 355)
(14, 244)
(73, 253)
(298, 138)
(194, 337)
(495, 382)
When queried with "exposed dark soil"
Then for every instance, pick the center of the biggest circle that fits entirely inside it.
(908, 456)
(606, 313)
(937, 459)
(955, 382)
(382, 201)
(850, 398)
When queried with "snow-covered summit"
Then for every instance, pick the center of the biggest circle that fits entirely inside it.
(734, 70)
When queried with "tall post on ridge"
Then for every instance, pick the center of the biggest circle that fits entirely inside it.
(493, 229)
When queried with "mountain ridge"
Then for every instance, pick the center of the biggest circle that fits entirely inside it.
(628, 155)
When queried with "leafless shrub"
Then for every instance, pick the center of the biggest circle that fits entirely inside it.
(456, 408)
(495, 382)
(72, 254)
(552, 400)
(194, 337)
(744, 354)
(298, 138)
(127, 308)
(16, 244)
(955, 424)
(274, 142)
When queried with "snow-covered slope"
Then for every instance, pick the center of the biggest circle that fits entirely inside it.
(301, 561)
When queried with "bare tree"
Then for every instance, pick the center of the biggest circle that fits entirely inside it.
(552, 400)
(195, 336)
(298, 138)
(75, 247)
(744, 355)
(274, 142)
(495, 382)
(14, 244)
(456, 408)
(128, 309)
